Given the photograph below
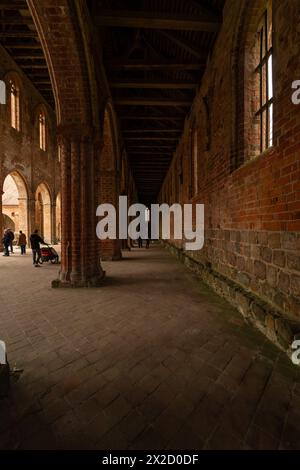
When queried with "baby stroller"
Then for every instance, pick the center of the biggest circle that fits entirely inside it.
(49, 254)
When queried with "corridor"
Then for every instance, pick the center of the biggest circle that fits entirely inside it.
(152, 360)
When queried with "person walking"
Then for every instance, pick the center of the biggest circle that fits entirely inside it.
(6, 242)
(22, 242)
(140, 241)
(12, 237)
(35, 242)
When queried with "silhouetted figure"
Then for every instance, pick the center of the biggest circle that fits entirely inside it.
(147, 243)
(140, 242)
(6, 242)
(22, 242)
(12, 237)
(35, 241)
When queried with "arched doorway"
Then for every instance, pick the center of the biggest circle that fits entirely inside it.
(58, 218)
(43, 212)
(15, 203)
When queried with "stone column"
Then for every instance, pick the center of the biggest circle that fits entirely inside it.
(31, 207)
(53, 222)
(80, 266)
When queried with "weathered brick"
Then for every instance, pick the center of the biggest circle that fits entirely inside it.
(279, 258)
(274, 240)
(293, 261)
(295, 284)
(284, 282)
(266, 254)
(272, 276)
(260, 270)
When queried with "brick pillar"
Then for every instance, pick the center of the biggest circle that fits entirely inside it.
(110, 249)
(31, 215)
(80, 265)
(53, 222)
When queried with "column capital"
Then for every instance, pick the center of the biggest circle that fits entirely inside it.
(76, 132)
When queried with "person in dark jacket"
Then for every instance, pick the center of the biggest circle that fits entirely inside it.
(12, 237)
(6, 242)
(35, 242)
(22, 242)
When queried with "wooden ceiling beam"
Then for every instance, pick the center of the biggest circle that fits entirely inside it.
(154, 84)
(19, 34)
(144, 151)
(182, 43)
(153, 137)
(144, 131)
(152, 118)
(16, 20)
(42, 82)
(29, 56)
(13, 6)
(161, 148)
(150, 102)
(168, 64)
(154, 20)
(23, 46)
(34, 66)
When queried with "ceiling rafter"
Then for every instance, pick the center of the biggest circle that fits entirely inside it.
(153, 20)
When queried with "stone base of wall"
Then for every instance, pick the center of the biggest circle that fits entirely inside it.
(280, 330)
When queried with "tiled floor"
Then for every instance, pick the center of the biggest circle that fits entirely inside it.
(152, 360)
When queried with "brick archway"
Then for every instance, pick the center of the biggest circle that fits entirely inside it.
(17, 208)
(60, 31)
(43, 212)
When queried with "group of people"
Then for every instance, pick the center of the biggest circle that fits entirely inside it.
(8, 239)
(35, 242)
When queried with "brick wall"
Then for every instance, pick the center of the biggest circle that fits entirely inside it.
(20, 153)
(252, 202)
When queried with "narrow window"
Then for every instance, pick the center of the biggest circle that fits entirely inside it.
(42, 131)
(265, 71)
(14, 105)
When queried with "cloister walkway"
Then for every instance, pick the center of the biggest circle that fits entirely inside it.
(152, 360)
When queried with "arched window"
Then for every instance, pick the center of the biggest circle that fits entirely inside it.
(14, 105)
(42, 131)
(264, 71)
(254, 79)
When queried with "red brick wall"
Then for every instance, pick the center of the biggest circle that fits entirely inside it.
(20, 150)
(252, 204)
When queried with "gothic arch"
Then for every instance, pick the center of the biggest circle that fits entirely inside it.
(18, 198)
(43, 211)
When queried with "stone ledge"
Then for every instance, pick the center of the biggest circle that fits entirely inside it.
(280, 330)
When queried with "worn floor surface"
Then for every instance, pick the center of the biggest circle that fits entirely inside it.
(152, 360)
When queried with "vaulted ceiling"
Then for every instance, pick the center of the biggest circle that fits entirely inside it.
(19, 37)
(154, 52)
